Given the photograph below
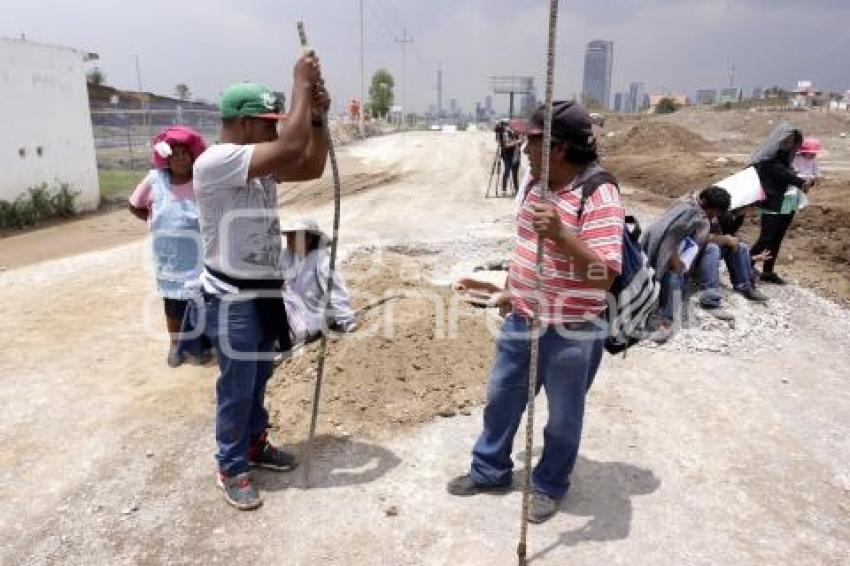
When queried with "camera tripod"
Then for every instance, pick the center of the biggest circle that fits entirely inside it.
(496, 170)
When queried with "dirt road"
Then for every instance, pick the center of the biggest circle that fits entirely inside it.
(690, 456)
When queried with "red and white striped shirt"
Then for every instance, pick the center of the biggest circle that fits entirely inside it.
(567, 297)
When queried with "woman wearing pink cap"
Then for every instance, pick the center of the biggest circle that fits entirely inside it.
(166, 200)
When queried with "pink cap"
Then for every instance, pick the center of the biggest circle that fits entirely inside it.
(178, 135)
(811, 145)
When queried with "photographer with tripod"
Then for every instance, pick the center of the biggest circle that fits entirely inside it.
(510, 151)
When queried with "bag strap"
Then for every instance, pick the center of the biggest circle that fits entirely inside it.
(636, 230)
(589, 187)
(527, 190)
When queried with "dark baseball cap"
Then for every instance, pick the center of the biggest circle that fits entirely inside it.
(570, 123)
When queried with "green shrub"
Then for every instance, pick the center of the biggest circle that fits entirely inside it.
(37, 204)
(25, 212)
(63, 201)
(666, 105)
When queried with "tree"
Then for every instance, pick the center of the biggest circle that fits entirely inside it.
(96, 76)
(183, 91)
(666, 105)
(381, 93)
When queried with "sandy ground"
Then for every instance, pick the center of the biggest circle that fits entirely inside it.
(692, 455)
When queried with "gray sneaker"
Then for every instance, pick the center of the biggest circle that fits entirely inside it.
(239, 491)
(174, 358)
(464, 486)
(754, 295)
(542, 508)
(718, 313)
(262, 454)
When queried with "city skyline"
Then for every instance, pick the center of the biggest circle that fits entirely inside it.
(667, 45)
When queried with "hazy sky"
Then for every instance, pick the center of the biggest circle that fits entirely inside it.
(680, 45)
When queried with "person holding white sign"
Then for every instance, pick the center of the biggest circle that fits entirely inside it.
(782, 187)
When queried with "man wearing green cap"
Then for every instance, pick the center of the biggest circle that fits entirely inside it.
(235, 185)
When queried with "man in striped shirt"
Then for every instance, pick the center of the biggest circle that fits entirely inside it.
(581, 257)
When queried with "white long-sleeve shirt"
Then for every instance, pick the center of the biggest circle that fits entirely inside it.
(305, 287)
(807, 168)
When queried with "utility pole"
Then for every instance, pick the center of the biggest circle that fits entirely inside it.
(403, 42)
(439, 92)
(138, 73)
(142, 101)
(362, 116)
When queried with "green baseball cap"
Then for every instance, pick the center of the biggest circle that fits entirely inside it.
(254, 100)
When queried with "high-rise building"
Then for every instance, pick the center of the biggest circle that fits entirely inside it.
(707, 97)
(440, 92)
(635, 101)
(730, 95)
(488, 104)
(619, 98)
(758, 93)
(598, 71)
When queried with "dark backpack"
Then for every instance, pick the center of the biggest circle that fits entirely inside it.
(633, 295)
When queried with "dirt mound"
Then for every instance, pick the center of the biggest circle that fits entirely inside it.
(411, 360)
(750, 128)
(669, 175)
(654, 137)
(344, 132)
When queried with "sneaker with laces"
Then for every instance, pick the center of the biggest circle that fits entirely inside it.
(754, 295)
(464, 486)
(263, 454)
(239, 491)
(542, 508)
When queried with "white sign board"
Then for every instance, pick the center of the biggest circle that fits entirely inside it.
(744, 187)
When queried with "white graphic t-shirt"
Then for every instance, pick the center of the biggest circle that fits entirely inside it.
(238, 216)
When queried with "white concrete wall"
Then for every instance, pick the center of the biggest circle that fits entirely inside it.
(46, 126)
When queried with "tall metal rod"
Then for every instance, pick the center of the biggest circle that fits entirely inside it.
(323, 344)
(535, 321)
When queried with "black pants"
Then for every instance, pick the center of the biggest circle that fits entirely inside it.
(773, 229)
(175, 308)
(511, 167)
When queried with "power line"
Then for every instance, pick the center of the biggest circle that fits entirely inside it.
(381, 18)
(390, 9)
(403, 42)
(388, 29)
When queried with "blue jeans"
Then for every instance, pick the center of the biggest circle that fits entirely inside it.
(670, 296)
(737, 262)
(566, 369)
(244, 359)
